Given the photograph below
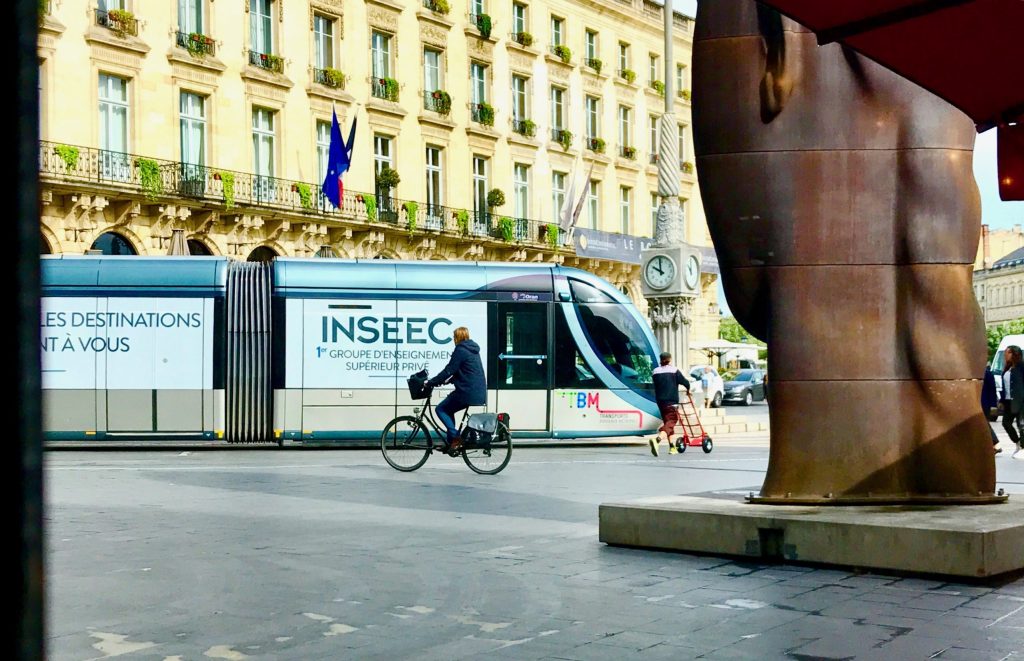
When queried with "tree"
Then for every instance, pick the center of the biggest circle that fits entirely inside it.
(996, 333)
(730, 330)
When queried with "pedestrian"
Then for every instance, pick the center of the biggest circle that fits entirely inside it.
(705, 383)
(466, 372)
(1012, 404)
(667, 379)
(989, 401)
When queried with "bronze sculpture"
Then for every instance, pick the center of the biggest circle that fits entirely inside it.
(846, 218)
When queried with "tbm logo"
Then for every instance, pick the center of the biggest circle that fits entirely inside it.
(389, 330)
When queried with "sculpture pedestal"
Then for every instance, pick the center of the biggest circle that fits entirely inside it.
(968, 541)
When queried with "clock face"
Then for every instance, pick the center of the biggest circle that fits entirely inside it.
(660, 272)
(692, 274)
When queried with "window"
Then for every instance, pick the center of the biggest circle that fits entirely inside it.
(380, 50)
(431, 70)
(557, 195)
(680, 77)
(624, 209)
(653, 129)
(383, 156)
(519, 18)
(623, 56)
(435, 190)
(323, 146)
(591, 44)
(655, 202)
(681, 137)
(480, 218)
(323, 36)
(593, 203)
(478, 7)
(478, 80)
(620, 341)
(114, 127)
(261, 26)
(192, 111)
(571, 370)
(263, 155)
(382, 153)
(520, 107)
(190, 16)
(557, 27)
(653, 63)
(624, 127)
(593, 118)
(557, 110)
(521, 190)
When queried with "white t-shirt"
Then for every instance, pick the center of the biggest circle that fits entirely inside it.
(1006, 385)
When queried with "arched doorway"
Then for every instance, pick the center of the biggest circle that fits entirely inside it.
(196, 247)
(44, 246)
(112, 243)
(262, 254)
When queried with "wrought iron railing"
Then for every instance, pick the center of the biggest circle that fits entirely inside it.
(525, 127)
(329, 78)
(437, 101)
(266, 61)
(120, 21)
(435, 6)
(159, 179)
(196, 43)
(384, 88)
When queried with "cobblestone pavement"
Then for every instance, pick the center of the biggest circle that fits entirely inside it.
(299, 554)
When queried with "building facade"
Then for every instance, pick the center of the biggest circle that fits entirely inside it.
(996, 244)
(1000, 289)
(214, 118)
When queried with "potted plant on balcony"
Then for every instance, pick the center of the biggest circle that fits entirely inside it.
(388, 178)
(597, 145)
(68, 154)
(684, 95)
(485, 114)
(628, 75)
(562, 52)
(390, 86)
(595, 63)
(410, 215)
(484, 25)
(442, 102)
(120, 21)
(370, 204)
(305, 194)
(687, 167)
(551, 236)
(227, 188)
(440, 6)
(149, 177)
(462, 221)
(198, 44)
(495, 198)
(333, 78)
(523, 38)
(659, 87)
(565, 139)
(507, 229)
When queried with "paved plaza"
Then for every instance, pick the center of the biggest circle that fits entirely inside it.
(330, 554)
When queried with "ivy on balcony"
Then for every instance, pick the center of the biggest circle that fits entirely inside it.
(562, 52)
(628, 75)
(658, 86)
(522, 38)
(483, 113)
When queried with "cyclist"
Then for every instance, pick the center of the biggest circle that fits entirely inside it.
(466, 372)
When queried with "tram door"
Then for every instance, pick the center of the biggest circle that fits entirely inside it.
(522, 382)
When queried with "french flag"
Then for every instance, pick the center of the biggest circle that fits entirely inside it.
(339, 159)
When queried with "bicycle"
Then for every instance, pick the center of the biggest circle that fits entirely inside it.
(406, 442)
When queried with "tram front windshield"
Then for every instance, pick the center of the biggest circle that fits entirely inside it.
(616, 336)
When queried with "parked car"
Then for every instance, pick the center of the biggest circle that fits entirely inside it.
(715, 390)
(744, 386)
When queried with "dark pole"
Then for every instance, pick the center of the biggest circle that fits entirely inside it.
(21, 276)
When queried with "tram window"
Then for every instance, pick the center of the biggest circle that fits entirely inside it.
(571, 371)
(584, 293)
(616, 337)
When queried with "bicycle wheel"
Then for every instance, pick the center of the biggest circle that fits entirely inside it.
(491, 458)
(405, 443)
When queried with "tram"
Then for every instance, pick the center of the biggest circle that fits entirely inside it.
(144, 348)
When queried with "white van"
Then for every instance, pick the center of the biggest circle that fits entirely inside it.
(997, 360)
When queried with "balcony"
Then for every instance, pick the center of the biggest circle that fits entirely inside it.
(196, 44)
(562, 52)
(596, 145)
(524, 127)
(74, 168)
(628, 153)
(594, 63)
(627, 75)
(121, 21)
(522, 38)
(482, 113)
(267, 61)
(437, 101)
(329, 78)
(653, 159)
(437, 6)
(384, 88)
(562, 137)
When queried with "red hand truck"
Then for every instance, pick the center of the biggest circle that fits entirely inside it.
(693, 431)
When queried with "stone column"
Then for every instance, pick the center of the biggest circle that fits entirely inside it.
(670, 319)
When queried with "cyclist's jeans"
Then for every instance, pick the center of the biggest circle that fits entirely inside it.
(446, 412)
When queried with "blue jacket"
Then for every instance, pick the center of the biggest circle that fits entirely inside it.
(466, 372)
(988, 391)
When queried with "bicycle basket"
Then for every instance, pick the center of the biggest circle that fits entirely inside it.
(418, 388)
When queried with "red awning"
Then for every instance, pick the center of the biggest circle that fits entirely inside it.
(969, 52)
